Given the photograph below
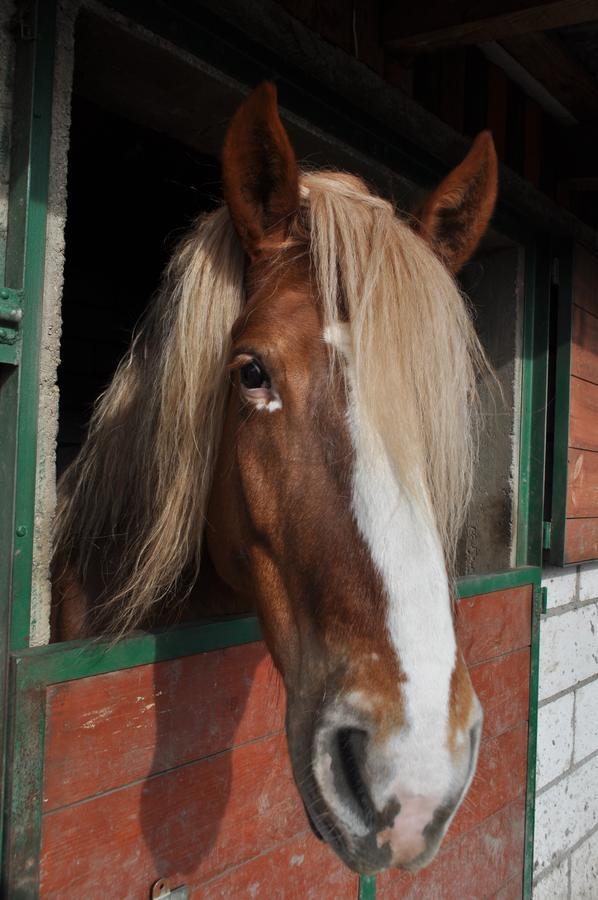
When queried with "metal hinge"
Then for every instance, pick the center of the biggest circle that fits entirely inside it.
(11, 314)
(161, 890)
(544, 600)
(546, 535)
(26, 23)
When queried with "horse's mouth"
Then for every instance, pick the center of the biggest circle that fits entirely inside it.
(361, 854)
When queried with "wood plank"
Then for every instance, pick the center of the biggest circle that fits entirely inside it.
(512, 890)
(368, 47)
(584, 350)
(452, 88)
(587, 184)
(532, 163)
(501, 777)
(547, 60)
(581, 540)
(497, 107)
(428, 26)
(503, 688)
(333, 20)
(303, 869)
(109, 730)
(583, 419)
(582, 484)
(475, 867)
(189, 824)
(490, 625)
(585, 279)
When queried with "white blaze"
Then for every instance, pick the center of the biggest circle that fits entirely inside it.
(407, 553)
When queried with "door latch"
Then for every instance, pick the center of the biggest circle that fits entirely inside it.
(161, 890)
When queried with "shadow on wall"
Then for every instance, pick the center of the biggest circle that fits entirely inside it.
(220, 789)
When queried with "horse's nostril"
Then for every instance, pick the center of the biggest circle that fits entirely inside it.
(351, 753)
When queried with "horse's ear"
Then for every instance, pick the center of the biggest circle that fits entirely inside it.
(455, 216)
(259, 171)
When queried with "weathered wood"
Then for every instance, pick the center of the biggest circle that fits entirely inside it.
(584, 350)
(497, 107)
(583, 426)
(491, 625)
(477, 865)
(581, 540)
(585, 279)
(582, 485)
(512, 890)
(549, 62)
(459, 22)
(189, 824)
(303, 869)
(234, 819)
(532, 162)
(113, 729)
(452, 94)
(587, 184)
(502, 686)
(500, 778)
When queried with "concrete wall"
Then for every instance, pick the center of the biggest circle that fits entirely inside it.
(566, 836)
(45, 491)
(7, 52)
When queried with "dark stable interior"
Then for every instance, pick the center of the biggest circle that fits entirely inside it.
(132, 194)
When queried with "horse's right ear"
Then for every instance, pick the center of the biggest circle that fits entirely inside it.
(259, 171)
(455, 216)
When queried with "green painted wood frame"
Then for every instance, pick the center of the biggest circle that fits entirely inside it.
(32, 670)
(23, 271)
(562, 395)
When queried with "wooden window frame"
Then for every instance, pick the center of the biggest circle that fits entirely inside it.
(570, 530)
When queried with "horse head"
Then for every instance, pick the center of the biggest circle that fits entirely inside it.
(342, 478)
(301, 400)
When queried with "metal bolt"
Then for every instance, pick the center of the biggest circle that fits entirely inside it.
(21, 531)
(5, 295)
(3, 334)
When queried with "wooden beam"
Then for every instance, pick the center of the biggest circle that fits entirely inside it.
(418, 27)
(547, 60)
(585, 185)
(576, 161)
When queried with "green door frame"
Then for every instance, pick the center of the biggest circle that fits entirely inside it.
(21, 306)
(31, 670)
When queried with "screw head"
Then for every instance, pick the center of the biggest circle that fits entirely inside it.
(21, 531)
(4, 294)
(3, 333)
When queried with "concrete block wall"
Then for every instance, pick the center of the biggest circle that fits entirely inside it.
(566, 833)
(45, 489)
(7, 52)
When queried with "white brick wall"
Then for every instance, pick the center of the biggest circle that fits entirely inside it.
(586, 720)
(555, 885)
(566, 833)
(555, 739)
(568, 649)
(584, 870)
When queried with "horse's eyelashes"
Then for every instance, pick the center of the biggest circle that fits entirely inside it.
(253, 376)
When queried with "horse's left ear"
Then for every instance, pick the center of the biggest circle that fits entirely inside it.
(259, 171)
(455, 216)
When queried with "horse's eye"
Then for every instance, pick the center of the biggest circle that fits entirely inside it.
(253, 376)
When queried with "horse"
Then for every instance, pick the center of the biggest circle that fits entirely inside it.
(293, 431)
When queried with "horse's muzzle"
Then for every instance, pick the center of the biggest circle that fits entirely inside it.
(359, 803)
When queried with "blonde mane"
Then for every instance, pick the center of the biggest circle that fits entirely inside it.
(139, 488)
